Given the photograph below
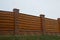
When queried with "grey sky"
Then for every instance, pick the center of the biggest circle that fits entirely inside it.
(51, 8)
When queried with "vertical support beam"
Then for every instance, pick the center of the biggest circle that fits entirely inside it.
(59, 24)
(42, 17)
(16, 12)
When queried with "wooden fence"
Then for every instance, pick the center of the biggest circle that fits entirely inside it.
(15, 23)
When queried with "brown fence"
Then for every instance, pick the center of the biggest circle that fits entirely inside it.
(6, 22)
(15, 23)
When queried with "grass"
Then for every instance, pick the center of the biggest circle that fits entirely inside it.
(29, 37)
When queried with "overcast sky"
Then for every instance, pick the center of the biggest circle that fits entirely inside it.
(51, 8)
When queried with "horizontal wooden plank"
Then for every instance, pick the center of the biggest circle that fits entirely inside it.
(6, 13)
(6, 21)
(27, 19)
(6, 32)
(6, 17)
(31, 28)
(6, 24)
(28, 24)
(6, 28)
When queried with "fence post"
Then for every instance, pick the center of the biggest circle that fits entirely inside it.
(42, 17)
(16, 12)
(59, 24)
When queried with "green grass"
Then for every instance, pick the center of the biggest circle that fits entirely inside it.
(29, 37)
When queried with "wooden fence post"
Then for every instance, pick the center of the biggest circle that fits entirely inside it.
(42, 17)
(16, 12)
(59, 24)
